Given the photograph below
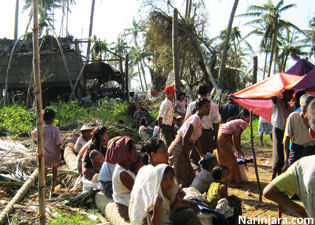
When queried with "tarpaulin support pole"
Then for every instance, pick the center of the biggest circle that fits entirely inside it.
(254, 155)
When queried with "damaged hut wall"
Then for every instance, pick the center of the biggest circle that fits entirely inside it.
(55, 81)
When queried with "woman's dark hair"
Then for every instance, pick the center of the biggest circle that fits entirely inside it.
(244, 113)
(142, 121)
(207, 160)
(96, 136)
(49, 114)
(149, 146)
(169, 169)
(130, 144)
(218, 171)
(180, 94)
(200, 102)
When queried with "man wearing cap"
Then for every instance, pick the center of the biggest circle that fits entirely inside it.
(165, 120)
(85, 137)
(210, 123)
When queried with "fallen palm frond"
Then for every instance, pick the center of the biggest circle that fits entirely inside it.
(82, 199)
(19, 195)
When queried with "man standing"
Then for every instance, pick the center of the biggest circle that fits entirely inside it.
(297, 131)
(280, 111)
(229, 110)
(210, 123)
(165, 120)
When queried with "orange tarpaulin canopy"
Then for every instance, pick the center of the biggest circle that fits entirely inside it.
(258, 96)
(270, 87)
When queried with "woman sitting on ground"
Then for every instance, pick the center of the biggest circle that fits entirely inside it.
(204, 179)
(186, 139)
(123, 153)
(155, 156)
(99, 143)
(229, 131)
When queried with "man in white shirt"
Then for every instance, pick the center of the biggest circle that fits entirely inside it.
(165, 120)
(280, 111)
(296, 131)
(210, 123)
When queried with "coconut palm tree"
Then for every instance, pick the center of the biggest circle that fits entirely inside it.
(309, 40)
(46, 13)
(226, 43)
(269, 15)
(289, 44)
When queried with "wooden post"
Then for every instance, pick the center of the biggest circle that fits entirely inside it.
(127, 79)
(38, 93)
(254, 154)
(255, 62)
(175, 49)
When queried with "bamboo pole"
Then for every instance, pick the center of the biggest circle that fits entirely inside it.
(18, 196)
(38, 93)
(254, 155)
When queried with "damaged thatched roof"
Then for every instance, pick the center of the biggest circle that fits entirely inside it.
(26, 46)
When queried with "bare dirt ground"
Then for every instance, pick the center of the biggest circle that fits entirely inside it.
(249, 192)
(26, 211)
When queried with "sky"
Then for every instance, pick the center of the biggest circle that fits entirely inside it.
(111, 17)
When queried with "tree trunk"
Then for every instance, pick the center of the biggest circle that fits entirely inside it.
(87, 52)
(265, 65)
(28, 23)
(90, 29)
(18, 196)
(6, 96)
(38, 93)
(274, 38)
(127, 79)
(16, 23)
(70, 157)
(143, 74)
(188, 9)
(140, 77)
(255, 63)
(175, 50)
(226, 44)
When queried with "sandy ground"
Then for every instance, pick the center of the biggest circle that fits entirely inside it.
(249, 192)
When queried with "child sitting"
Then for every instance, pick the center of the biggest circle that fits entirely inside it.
(52, 143)
(218, 197)
(144, 132)
(204, 179)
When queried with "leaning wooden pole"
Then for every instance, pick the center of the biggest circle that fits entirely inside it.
(254, 155)
(175, 49)
(38, 94)
(18, 196)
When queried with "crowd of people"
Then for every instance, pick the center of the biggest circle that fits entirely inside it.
(188, 148)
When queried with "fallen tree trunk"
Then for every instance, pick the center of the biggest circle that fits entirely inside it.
(108, 208)
(19, 196)
(70, 157)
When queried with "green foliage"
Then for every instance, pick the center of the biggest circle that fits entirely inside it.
(15, 119)
(75, 219)
(245, 138)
